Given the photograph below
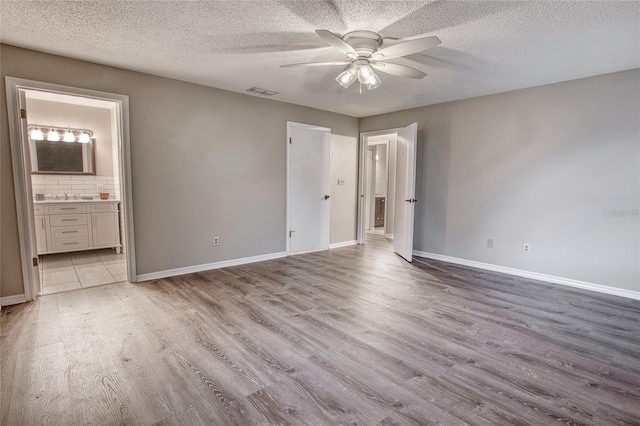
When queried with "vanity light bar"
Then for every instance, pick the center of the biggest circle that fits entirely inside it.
(39, 133)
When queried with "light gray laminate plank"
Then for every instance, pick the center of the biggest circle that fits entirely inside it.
(345, 336)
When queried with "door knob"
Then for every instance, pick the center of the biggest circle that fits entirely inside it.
(326, 197)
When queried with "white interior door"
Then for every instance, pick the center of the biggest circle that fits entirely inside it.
(308, 188)
(405, 191)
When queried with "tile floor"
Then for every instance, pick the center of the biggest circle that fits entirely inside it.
(69, 271)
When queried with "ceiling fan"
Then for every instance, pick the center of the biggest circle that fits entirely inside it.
(364, 52)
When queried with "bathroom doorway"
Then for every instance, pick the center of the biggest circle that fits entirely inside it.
(399, 182)
(73, 187)
(379, 184)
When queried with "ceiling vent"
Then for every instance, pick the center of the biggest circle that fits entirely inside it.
(263, 92)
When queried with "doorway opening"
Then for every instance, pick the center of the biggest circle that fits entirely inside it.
(72, 172)
(380, 184)
(377, 184)
(387, 186)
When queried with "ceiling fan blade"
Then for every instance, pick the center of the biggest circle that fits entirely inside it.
(406, 48)
(399, 70)
(336, 42)
(316, 64)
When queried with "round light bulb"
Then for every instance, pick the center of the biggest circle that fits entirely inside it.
(53, 136)
(69, 137)
(36, 134)
(84, 138)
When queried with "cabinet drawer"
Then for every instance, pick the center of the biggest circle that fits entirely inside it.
(70, 244)
(66, 208)
(68, 219)
(38, 209)
(65, 232)
(106, 207)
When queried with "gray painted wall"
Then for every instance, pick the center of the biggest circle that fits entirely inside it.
(534, 166)
(205, 162)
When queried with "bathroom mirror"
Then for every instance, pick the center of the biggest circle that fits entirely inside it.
(60, 157)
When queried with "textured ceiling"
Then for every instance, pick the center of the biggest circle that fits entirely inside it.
(487, 47)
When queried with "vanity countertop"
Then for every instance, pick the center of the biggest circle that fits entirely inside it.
(95, 200)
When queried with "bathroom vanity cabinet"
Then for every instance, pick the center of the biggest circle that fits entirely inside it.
(64, 226)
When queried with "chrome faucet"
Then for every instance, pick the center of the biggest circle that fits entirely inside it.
(66, 195)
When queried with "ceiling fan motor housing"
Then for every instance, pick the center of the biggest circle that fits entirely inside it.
(364, 42)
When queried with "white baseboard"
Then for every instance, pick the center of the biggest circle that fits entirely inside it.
(12, 300)
(532, 275)
(343, 244)
(209, 266)
(390, 236)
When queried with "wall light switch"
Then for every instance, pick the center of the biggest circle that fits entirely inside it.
(340, 181)
(490, 243)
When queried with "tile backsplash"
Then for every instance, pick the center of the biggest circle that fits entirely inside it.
(75, 184)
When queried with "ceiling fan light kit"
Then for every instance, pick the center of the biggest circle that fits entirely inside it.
(347, 78)
(363, 52)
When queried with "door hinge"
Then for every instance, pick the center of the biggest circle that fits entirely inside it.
(23, 113)
(290, 140)
(35, 261)
(291, 233)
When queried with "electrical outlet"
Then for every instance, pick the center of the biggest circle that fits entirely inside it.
(216, 241)
(490, 243)
(340, 181)
(526, 247)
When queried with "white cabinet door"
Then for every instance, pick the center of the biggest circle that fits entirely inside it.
(104, 229)
(41, 234)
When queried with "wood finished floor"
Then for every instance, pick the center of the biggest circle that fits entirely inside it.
(348, 336)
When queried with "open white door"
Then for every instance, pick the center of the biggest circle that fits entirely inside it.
(308, 188)
(405, 191)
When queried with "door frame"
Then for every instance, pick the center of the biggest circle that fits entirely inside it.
(368, 196)
(387, 181)
(290, 125)
(22, 173)
(360, 229)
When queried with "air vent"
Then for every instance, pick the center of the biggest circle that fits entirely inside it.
(259, 91)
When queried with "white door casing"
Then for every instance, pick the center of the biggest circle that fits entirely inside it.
(405, 191)
(15, 94)
(308, 188)
(368, 198)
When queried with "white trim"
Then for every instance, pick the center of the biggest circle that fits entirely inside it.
(209, 266)
(12, 300)
(600, 288)
(390, 236)
(343, 244)
(22, 173)
(22, 187)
